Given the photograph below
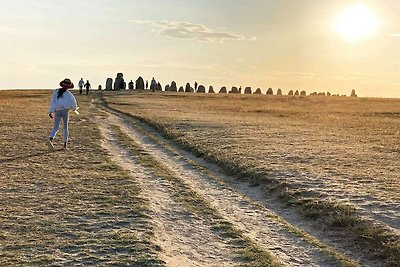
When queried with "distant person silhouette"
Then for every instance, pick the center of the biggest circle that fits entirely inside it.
(61, 102)
(87, 86)
(147, 84)
(81, 83)
(195, 86)
(153, 84)
(130, 85)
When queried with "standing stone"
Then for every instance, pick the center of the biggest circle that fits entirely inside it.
(211, 90)
(139, 83)
(201, 89)
(119, 82)
(223, 90)
(100, 87)
(314, 93)
(290, 92)
(303, 93)
(109, 83)
(257, 92)
(321, 94)
(297, 92)
(270, 91)
(181, 90)
(328, 94)
(234, 90)
(153, 86)
(173, 87)
(353, 93)
(279, 92)
(187, 88)
(159, 87)
(247, 90)
(167, 88)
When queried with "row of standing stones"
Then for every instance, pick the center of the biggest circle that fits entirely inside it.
(120, 84)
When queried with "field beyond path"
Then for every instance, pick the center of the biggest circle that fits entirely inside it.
(201, 180)
(334, 160)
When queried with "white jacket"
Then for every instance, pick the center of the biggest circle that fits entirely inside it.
(66, 101)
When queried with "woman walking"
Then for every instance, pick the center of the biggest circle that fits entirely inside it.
(61, 102)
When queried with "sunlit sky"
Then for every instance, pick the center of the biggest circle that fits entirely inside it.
(288, 44)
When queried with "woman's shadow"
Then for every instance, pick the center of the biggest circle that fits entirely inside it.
(43, 153)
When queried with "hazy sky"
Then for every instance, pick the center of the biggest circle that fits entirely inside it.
(286, 44)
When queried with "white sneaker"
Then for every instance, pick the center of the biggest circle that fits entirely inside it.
(50, 145)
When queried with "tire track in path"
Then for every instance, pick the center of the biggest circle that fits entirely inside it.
(257, 223)
(184, 239)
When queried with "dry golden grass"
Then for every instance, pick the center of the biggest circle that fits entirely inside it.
(336, 158)
(65, 207)
(355, 140)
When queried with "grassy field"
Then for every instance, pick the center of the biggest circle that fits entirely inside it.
(334, 159)
(65, 207)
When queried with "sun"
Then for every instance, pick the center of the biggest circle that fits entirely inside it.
(356, 23)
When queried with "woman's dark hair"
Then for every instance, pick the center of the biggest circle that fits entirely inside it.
(61, 91)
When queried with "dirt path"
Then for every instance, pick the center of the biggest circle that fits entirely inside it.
(257, 223)
(184, 239)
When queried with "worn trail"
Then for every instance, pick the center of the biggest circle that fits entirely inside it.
(184, 239)
(257, 222)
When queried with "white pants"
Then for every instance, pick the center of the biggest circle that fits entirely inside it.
(57, 119)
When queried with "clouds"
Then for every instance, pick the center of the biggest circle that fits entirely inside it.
(216, 69)
(189, 31)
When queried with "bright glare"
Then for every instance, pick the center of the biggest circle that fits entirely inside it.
(356, 23)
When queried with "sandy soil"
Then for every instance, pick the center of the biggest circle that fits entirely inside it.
(184, 239)
(256, 222)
